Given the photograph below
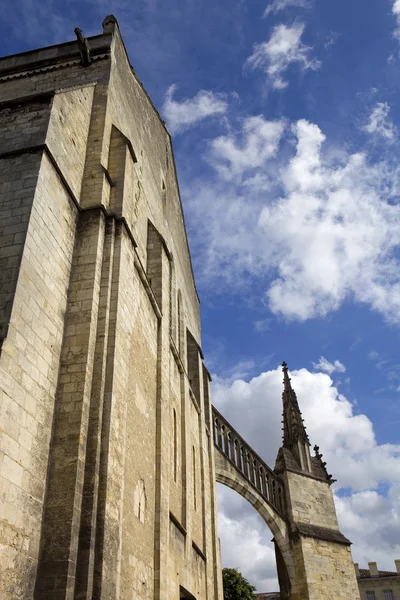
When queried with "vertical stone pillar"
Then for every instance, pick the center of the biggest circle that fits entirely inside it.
(87, 534)
(283, 577)
(158, 269)
(62, 513)
(111, 475)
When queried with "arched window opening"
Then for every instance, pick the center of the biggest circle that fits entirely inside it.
(261, 480)
(255, 474)
(243, 461)
(248, 465)
(267, 483)
(237, 454)
(223, 439)
(229, 445)
(216, 432)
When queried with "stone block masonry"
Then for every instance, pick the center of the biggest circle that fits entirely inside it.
(93, 257)
(107, 458)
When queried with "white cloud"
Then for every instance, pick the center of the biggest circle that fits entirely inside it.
(283, 49)
(183, 115)
(259, 142)
(347, 440)
(277, 5)
(327, 229)
(245, 540)
(396, 12)
(327, 367)
(334, 235)
(379, 123)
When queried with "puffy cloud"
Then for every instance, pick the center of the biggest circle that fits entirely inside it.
(245, 540)
(277, 5)
(362, 467)
(396, 12)
(283, 49)
(327, 229)
(327, 367)
(379, 124)
(259, 142)
(372, 522)
(183, 115)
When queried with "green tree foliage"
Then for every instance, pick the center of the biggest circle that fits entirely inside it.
(236, 587)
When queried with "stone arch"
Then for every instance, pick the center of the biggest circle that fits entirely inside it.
(228, 475)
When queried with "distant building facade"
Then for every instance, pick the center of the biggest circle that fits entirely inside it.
(375, 584)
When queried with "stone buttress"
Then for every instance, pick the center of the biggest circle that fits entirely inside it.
(106, 458)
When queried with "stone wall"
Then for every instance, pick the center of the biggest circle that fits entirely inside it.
(324, 570)
(103, 498)
(29, 369)
(322, 556)
(311, 501)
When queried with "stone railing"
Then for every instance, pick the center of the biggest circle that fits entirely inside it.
(247, 462)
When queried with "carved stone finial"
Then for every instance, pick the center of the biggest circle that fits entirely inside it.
(84, 48)
(109, 24)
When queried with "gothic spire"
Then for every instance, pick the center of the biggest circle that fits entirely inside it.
(293, 426)
(295, 438)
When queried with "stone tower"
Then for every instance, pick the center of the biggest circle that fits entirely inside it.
(296, 502)
(319, 553)
(106, 459)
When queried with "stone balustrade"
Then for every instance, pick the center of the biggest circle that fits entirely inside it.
(247, 462)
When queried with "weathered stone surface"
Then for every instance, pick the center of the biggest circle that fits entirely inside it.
(107, 467)
(313, 556)
(99, 498)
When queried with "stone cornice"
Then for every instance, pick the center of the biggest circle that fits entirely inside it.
(320, 533)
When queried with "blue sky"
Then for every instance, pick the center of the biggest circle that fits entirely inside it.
(285, 122)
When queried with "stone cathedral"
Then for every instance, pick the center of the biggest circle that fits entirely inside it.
(110, 447)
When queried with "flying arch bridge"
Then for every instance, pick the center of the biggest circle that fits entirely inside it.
(295, 501)
(232, 451)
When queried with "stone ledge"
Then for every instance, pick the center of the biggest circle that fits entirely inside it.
(320, 533)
